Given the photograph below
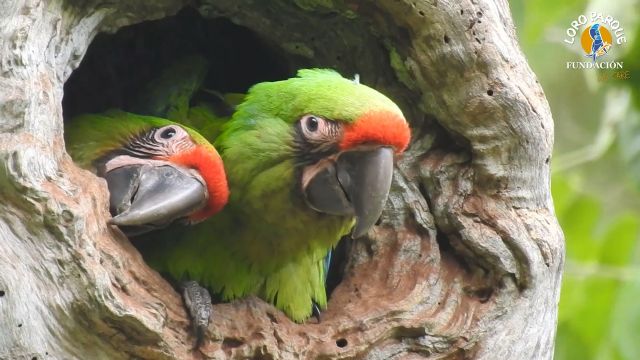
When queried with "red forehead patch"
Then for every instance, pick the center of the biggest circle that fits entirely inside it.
(379, 127)
(209, 164)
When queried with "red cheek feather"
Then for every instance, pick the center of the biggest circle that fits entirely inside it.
(379, 127)
(209, 164)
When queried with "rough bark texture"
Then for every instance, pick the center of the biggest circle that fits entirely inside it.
(465, 264)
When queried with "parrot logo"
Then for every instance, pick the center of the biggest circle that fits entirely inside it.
(596, 41)
(596, 33)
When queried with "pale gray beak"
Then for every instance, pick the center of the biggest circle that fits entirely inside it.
(146, 197)
(357, 184)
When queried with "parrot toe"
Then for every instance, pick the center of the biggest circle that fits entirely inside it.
(315, 312)
(198, 303)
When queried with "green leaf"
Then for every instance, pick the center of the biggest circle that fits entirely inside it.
(578, 223)
(620, 240)
(563, 194)
(626, 319)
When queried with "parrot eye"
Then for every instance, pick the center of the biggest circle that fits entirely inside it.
(168, 133)
(312, 124)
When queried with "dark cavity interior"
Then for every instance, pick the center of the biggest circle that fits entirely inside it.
(117, 66)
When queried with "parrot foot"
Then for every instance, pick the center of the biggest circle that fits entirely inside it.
(315, 311)
(198, 303)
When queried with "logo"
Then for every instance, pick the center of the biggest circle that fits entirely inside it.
(599, 34)
(596, 41)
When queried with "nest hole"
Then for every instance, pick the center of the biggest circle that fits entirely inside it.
(117, 68)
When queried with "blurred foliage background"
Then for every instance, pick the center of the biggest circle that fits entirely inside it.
(595, 175)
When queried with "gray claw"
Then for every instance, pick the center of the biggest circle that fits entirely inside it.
(315, 312)
(198, 302)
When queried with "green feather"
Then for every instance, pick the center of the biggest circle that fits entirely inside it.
(169, 94)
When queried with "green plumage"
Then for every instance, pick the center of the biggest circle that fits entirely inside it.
(177, 94)
(169, 95)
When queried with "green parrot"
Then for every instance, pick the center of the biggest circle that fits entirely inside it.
(308, 160)
(177, 94)
(158, 172)
(169, 94)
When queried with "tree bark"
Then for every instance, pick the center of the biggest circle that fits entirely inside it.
(466, 262)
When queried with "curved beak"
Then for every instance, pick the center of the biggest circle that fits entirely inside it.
(145, 197)
(356, 183)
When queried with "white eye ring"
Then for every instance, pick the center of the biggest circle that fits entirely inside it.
(317, 128)
(169, 133)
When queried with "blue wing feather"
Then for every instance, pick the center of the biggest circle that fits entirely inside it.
(327, 263)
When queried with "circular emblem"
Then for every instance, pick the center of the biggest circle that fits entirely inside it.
(596, 41)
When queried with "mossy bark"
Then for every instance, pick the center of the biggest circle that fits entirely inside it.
(466, 262)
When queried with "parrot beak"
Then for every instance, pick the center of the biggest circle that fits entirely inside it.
(355, 183)
(145, 197)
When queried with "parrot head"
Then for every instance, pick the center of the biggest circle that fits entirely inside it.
(340, 136)
(157, 171)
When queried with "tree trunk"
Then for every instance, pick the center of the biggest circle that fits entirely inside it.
(466, 262)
